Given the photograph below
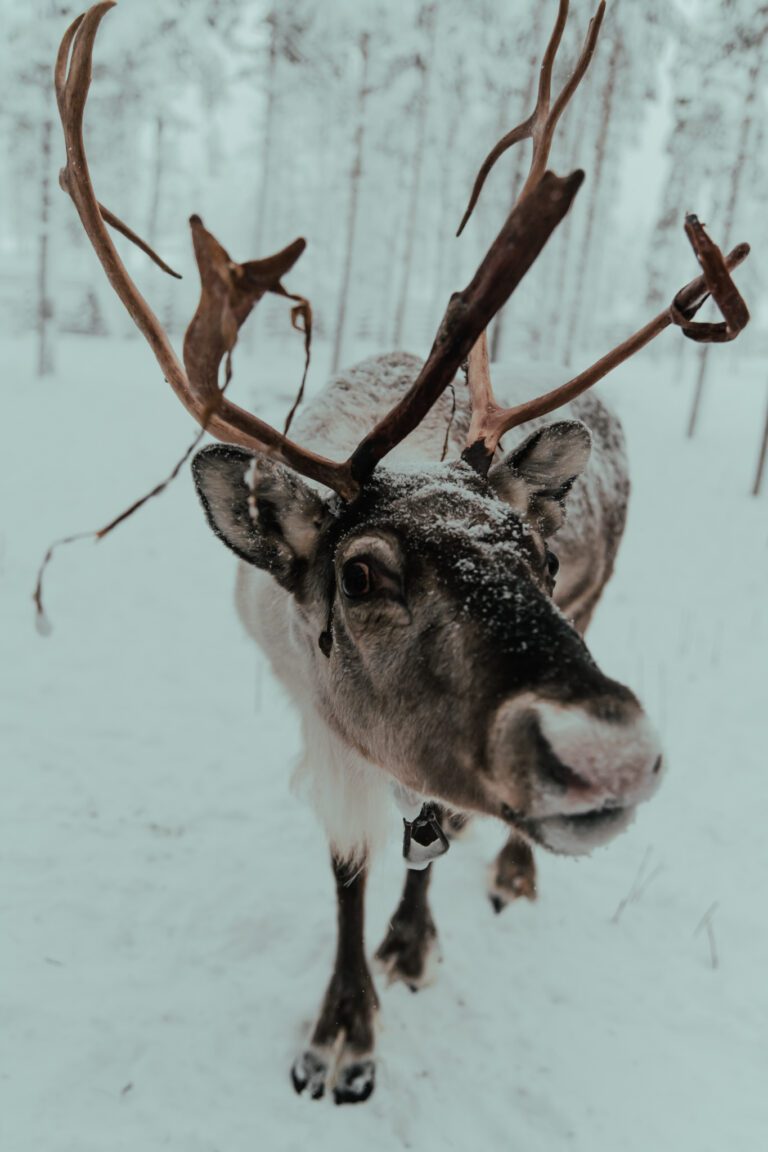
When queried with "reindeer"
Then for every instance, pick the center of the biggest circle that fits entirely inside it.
(427, 617)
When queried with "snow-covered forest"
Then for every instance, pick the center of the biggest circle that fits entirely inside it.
(362, 129)
(166, 920)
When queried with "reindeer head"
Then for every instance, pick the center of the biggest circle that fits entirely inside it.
(424, 598)
(424, 610)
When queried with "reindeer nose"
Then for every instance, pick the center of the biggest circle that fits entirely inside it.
(585, 756)
(618, 758)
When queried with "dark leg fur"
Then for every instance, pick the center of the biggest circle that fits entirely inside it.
(513, 873)
(410, 944)
(411, 938)
(341, 1048)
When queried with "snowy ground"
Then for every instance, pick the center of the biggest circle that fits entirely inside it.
(167, 911)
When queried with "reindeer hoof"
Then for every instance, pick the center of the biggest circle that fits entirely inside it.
(310, 1073)
(501, 897)
(512, 875)
(522, 888)
(355, 1082)
(409, 956)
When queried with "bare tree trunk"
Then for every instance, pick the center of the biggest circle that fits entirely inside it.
(248, 339)
(267, 142)
(737, 174)
(417, 167)
(589, 225)
(391, 264)
(760, 471)
(158, 172)
(566, 233)
(440, 293)
(518, 172)
(697, 391)
(352, 211)
(667, 224)
(44, 304)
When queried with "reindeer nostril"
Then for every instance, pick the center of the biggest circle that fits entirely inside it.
(657, 766)
(561, 774)
(551, 768)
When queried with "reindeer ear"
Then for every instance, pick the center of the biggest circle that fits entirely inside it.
(536, 477)
(260, 509)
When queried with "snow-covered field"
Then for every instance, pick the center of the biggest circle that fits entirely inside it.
(167, 908)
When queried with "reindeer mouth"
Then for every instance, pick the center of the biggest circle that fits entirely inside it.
(577, 835)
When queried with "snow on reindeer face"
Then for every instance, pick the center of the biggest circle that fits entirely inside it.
(435, 648)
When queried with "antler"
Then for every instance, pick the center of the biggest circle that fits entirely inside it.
(490, 421)
(540, 126)
(230, 290)
(528, 227)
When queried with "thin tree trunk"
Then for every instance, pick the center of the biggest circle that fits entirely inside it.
(267, 142)
(518, 175)
(760, 470)
(248, 339)
(565, 235)
(697, 391)
(158, 172)
(391, 264)
(444, 232)
(352, 211)
(417, 167)
(499, 326)
(737, 175)
(667, 225)
(589, 225)
(44, 305)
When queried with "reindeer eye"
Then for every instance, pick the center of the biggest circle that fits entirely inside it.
(355, 579)
(553, 564)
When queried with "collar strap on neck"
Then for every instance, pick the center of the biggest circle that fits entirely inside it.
(423, 839)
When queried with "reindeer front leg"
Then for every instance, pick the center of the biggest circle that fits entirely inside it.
(341, 1048)
(411, 939)
(513, 873)
(410, 950)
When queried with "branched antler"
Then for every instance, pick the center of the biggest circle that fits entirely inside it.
(719, 286)
(230, 290)
(529, 226)
(540, 126)
(490, 421)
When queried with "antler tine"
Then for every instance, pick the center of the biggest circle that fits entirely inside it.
(71, 96)
(540, 126)
(526, 231)
(229, 290)
(508, 259)
(561, 103)
(548, 61)
(490, 421)
(72, 88)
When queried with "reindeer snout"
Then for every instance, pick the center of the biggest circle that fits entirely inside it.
(611, 760)
(578, 758)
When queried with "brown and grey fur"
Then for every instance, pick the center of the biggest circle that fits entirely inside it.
(464, 678)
